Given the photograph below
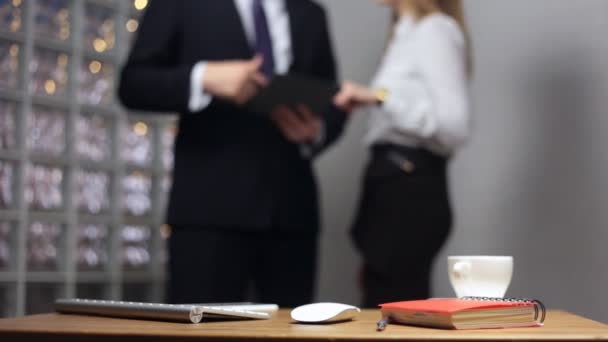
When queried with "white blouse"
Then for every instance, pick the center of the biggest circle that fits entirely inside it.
(424, 71)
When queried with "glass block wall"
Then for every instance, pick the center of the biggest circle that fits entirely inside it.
(83, 183)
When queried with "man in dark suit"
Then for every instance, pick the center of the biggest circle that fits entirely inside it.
(243, 206)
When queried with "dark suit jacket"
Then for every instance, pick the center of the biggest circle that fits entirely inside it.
(232, 168)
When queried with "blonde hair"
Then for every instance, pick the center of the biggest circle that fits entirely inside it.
(451, 8)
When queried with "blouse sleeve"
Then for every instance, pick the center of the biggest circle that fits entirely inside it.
(433, 104)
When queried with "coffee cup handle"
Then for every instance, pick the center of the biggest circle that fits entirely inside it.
(461, 269)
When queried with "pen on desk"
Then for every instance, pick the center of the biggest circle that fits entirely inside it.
(381, 325)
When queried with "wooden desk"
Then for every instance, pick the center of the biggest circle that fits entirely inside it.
(559, 326)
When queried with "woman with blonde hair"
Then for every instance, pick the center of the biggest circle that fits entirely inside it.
(419, 115)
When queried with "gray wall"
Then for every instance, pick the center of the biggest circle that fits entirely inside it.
(531, 182)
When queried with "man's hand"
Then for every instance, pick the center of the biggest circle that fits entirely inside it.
(237, 81)
(298, 127)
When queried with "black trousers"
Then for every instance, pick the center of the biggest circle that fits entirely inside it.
(404, 218)
(218, 265)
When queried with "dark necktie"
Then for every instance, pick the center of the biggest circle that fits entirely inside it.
(263, 41)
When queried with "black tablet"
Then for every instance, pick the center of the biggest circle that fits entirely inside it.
(293, 90)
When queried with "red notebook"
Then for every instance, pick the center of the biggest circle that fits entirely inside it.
(466, 313)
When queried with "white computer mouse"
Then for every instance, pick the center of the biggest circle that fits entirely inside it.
(324, 313)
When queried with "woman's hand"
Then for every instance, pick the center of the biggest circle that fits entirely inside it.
(352, 96)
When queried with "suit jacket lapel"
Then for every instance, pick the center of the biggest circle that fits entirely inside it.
(297, 26)
(232, 25)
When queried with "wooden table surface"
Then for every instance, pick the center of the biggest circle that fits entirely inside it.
(559, 326)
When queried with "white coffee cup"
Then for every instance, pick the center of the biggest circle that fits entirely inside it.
(480, 275)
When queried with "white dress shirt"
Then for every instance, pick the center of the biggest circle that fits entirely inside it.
(424, 71)
(278, 25)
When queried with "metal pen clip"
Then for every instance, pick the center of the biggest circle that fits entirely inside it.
(381, 325)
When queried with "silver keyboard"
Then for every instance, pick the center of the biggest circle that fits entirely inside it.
(191, 313)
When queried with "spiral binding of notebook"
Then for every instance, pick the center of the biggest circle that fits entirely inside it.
(539, 308)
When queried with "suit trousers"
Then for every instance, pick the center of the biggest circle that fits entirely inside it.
(212, 265)
(404, 218)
